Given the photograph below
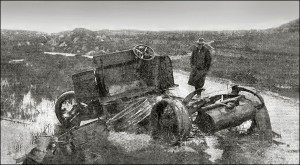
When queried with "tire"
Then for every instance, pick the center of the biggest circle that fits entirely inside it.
(169, 120)
(58, 108)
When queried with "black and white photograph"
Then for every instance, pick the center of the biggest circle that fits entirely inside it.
(150, 82)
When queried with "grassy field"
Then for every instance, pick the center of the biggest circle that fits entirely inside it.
(278, 74)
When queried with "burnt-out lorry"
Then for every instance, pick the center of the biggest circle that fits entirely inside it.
(129, 88)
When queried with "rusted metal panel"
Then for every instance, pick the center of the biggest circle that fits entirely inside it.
(85, 85)
(149, 71)
(121, 74)
(86, 75)
(127, 94)
(114, 58)
(165, 74)
(157, 72)
(119, 67)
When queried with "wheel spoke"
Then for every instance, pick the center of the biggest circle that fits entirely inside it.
(143, 52)
(168, 123)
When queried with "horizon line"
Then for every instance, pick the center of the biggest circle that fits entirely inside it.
(257, 29)
(139, 30)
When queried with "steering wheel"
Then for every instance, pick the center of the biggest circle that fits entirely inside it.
(144, 52)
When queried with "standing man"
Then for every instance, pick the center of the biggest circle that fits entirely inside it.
(200, 63)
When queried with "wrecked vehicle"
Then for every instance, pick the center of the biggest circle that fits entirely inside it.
(118, 80)
(129, 88)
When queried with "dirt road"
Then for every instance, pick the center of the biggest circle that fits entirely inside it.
(139, 148)
(283, 111)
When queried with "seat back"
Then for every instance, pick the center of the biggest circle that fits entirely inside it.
(158, 72)
(119, 71)
(114, 59)
(85, 86)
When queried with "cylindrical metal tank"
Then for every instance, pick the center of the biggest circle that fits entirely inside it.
(225, 116)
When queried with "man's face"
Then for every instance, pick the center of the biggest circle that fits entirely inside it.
(200, 45)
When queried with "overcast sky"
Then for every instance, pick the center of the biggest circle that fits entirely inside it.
(55, 16)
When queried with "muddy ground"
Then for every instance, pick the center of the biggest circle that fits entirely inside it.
(223, 147)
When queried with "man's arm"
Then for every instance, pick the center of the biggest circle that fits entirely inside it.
(207, 60)
(192, 61)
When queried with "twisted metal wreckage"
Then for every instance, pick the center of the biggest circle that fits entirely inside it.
(128, 89)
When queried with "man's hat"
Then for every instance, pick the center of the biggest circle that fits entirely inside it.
(200, 41)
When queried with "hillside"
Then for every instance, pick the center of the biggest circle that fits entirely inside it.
(82, 40)
(282, 39)
(292, 26)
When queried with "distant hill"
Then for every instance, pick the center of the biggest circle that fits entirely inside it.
(23, 40)
(292, 26)
(85, 41)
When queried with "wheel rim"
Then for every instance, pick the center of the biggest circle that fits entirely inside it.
(168, 125)
(67, 110)
(170, 122)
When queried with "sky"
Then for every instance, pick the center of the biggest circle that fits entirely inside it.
(56, 16)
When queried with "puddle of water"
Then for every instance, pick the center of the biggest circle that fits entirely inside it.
(213, 151)
(284, 86)
(17, 136)
(68, 54)
(88, 56)
(58, 53)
